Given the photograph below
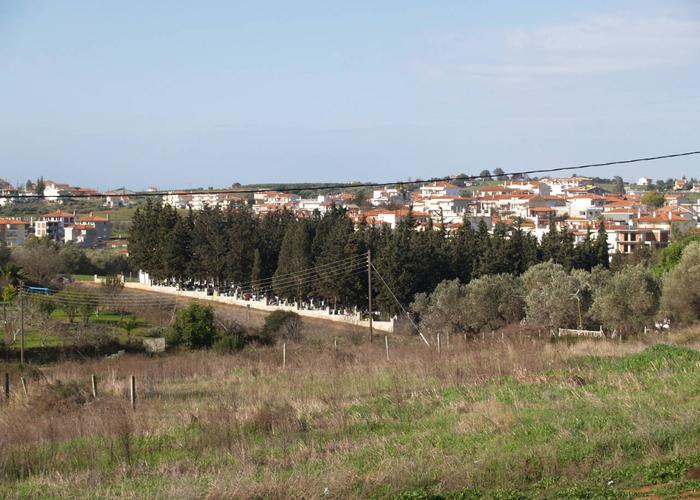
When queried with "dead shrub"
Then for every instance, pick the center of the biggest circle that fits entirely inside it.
(275, 418)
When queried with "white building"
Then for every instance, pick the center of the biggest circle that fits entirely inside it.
(117, 198)
(382, 197)
(177, 199)
(559, 185)
(439, 189)
(586, 206)
(54, 191)
(53, 225)
(644, 181)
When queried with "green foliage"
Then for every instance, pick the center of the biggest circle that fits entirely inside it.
(680, 299)
(289, 280)
(628, 302)
(40, 186)
(232, 337)
(283, 324)
(670, 256)
(303, 258)
(494, 301)
(653, 358)
(193, 327)
(444, 310)
(558, 246)
(228, 344)
(618, 185)
(653, 199)
(551, 296)
(9, 292)
(128, 324)
(74, 301)
(40, 260)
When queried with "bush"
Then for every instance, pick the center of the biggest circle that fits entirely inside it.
(228, 344)
(444, 310)
(670, 256)
(551, 296)
(629, 301)
(494, 301)
(680, 299)
(193, 327)
(232, 337)
(283, 324)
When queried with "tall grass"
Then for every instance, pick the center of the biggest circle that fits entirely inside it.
(522, 412)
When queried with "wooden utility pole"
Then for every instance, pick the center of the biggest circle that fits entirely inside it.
(21, 322)
(369, 292)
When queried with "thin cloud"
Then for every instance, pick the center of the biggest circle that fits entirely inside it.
(593, 46)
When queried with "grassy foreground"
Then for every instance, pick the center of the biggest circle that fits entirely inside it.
(520, 418)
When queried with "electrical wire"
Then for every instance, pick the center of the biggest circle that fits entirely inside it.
(401, 306)
(304, 277)
(140, 194)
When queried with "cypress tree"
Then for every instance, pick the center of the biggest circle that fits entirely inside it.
(291, 279)
(256, 271)
(462, 250)
(601, 246)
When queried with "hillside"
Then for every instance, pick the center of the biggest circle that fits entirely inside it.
(522, 417)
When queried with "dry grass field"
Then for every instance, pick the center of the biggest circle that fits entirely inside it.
(518, 417)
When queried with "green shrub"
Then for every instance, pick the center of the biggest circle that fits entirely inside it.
(283, 324)
(628, 302)
(680, 298)
(230, 343)
(232, 337)
(670, 256)
(193, 327)
(494, 301)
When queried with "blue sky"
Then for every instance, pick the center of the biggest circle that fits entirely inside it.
(197, 94)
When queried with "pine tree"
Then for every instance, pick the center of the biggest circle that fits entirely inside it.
(337, 244)
(292, 280)
(394, 263)
(482, 247)
(520, 249)
(584, 254)
(242, 237)
(40, 186)
(256, 272)
(462, 250)
(601, 246)
(550, 243)
(144, 238)
(175, 244)
(211, 244)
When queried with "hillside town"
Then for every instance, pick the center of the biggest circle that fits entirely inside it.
(632, 217)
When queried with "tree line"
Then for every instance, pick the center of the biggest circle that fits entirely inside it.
(275, 252)
(625, 301)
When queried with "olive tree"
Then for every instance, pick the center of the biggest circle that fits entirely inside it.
(629, 300)
(493, 301)
(680, 298)
(552, 296)
(444, 310)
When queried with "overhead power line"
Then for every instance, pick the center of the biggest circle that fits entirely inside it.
(319, 187)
